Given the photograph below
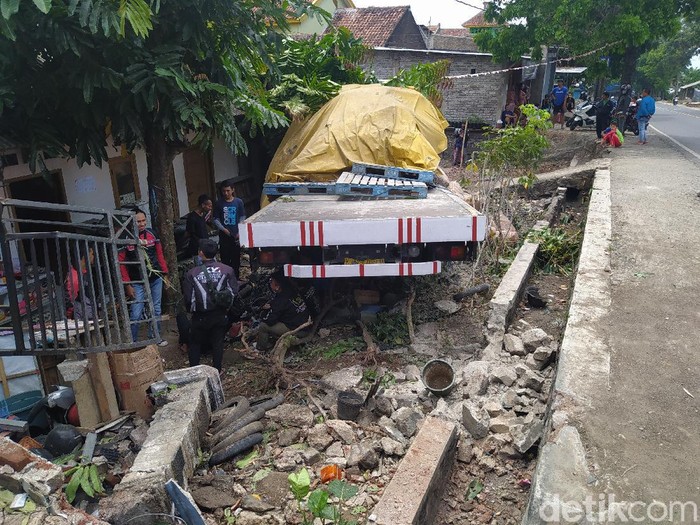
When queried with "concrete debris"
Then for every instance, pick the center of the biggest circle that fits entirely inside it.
(528, 436)
(344, 379)
(534, 338)
(289, 459)
(383, 406)
(389, 428)
(500, 424)
(514, 345)
(311, 456)
(493, 407)
(342, 430)
(534, 364)
(412, 373)
(363, 455)
(475, 419)
(407, 421)
(256, 504)
(211, 498)
(288, 436)
(291, 415)
(532, 380)
(318, 437)
(392, 447)
(447, 306)
(504, 374)
(475, 379)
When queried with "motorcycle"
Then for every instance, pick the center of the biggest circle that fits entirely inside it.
(675, 101)
(584, 115)
(629, 123)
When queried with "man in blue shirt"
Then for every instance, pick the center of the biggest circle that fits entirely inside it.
(229, 212)
(646, 107)
(559, 98)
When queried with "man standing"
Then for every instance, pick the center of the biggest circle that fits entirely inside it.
(156, 268)
(602, 114)
(558, 98)
(228, 213)
(197, 228)
(646, 107)
(200, 289)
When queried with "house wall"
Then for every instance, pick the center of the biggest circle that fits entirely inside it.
(91, 186)
(482, 97)
(407, 34)
(311, 25)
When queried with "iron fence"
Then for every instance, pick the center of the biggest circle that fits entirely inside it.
(62, 288)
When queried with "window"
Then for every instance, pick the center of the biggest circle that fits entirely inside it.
(125, 180)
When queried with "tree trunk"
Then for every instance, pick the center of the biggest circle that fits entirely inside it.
(629, 64)
(160, 157)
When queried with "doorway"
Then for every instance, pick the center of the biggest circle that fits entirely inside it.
(199, 178)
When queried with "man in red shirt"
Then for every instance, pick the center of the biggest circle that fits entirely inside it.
(157, 269)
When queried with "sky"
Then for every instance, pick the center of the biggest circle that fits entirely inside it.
(447, 13)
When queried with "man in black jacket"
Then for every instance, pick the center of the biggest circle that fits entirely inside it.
(209, 319)
(285, 312)
(604, 109)
(197, 228)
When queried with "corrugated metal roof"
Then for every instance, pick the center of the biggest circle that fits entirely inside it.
(690, 85)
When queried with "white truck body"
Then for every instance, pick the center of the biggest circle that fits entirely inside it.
(322, 228)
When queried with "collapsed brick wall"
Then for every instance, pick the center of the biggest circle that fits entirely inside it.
(476, 97)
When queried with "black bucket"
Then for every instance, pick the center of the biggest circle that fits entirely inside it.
(349, 405)
(438, 376)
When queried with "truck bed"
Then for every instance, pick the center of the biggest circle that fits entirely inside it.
(332, 220)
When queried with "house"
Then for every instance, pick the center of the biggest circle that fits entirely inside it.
(478, 23)
(122, 180)
(398, 42)
(306, 25)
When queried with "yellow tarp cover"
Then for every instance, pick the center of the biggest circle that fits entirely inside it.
(373, 124)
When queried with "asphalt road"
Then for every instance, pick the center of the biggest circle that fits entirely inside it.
(680, 123)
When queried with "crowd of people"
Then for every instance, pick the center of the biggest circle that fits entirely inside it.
(560, 103)
(209, 288)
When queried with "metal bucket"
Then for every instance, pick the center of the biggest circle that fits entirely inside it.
(349, 405)
(438, 376)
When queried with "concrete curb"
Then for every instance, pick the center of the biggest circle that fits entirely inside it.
(170, 450)
(562, 473)
(412, 496)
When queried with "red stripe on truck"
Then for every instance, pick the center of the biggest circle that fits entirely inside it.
(320, 233)
(418, 232)
(409, 229)
(250, 235)
(302, 227)
(400, 231)
(474, 228)
(312, 234)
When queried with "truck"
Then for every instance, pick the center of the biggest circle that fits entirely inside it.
(330, 235)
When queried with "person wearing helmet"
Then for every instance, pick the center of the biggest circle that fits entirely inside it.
(623, 104)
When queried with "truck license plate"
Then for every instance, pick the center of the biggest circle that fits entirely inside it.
(349, 260)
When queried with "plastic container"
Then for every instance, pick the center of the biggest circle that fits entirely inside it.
(349, 405)
(438, 376)
(20, 404)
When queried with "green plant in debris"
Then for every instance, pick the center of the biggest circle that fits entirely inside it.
(338, 348)
(316, 504)
(559, 249)
(84, 477)
(202, 458)
(229, 518)
(390, 329)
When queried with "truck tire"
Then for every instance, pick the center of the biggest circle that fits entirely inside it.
(267, 402)
(239, 411)
(250, 417)
(247, 430)
(235, 449)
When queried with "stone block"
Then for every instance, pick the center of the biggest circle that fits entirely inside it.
(475, 379)
(292, 415)
(504, 374)
(475, 419)
(514, 345)
(534, 338)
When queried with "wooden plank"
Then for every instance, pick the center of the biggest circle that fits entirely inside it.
(76, 374)
(103, 386)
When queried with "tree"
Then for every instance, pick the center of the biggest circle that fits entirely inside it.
(625, 27)
(187, 72)
(663, 66)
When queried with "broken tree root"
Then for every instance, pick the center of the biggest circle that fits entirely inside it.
(409, 315)
(285, 341)
(372, 348)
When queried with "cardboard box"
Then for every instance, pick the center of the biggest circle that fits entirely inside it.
(133, 372)
(131, 361)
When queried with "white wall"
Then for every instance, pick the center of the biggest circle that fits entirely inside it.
(225, 162)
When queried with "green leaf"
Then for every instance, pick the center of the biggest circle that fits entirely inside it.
(342, 489)
(474, 489)
(43, 5)
(243, 463)
(318, 501)
(261, 474)
(299, 484)
(73, 484)
(95, 480)
(8, 8)
(85, 482)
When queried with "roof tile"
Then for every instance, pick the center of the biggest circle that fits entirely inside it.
(374, 25)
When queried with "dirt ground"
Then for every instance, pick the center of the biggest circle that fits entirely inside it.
(505, 480)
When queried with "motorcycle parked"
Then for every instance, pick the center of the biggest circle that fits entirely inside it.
(584, 115)
(675, 101)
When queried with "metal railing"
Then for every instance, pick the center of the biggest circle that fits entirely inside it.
(62, 289)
